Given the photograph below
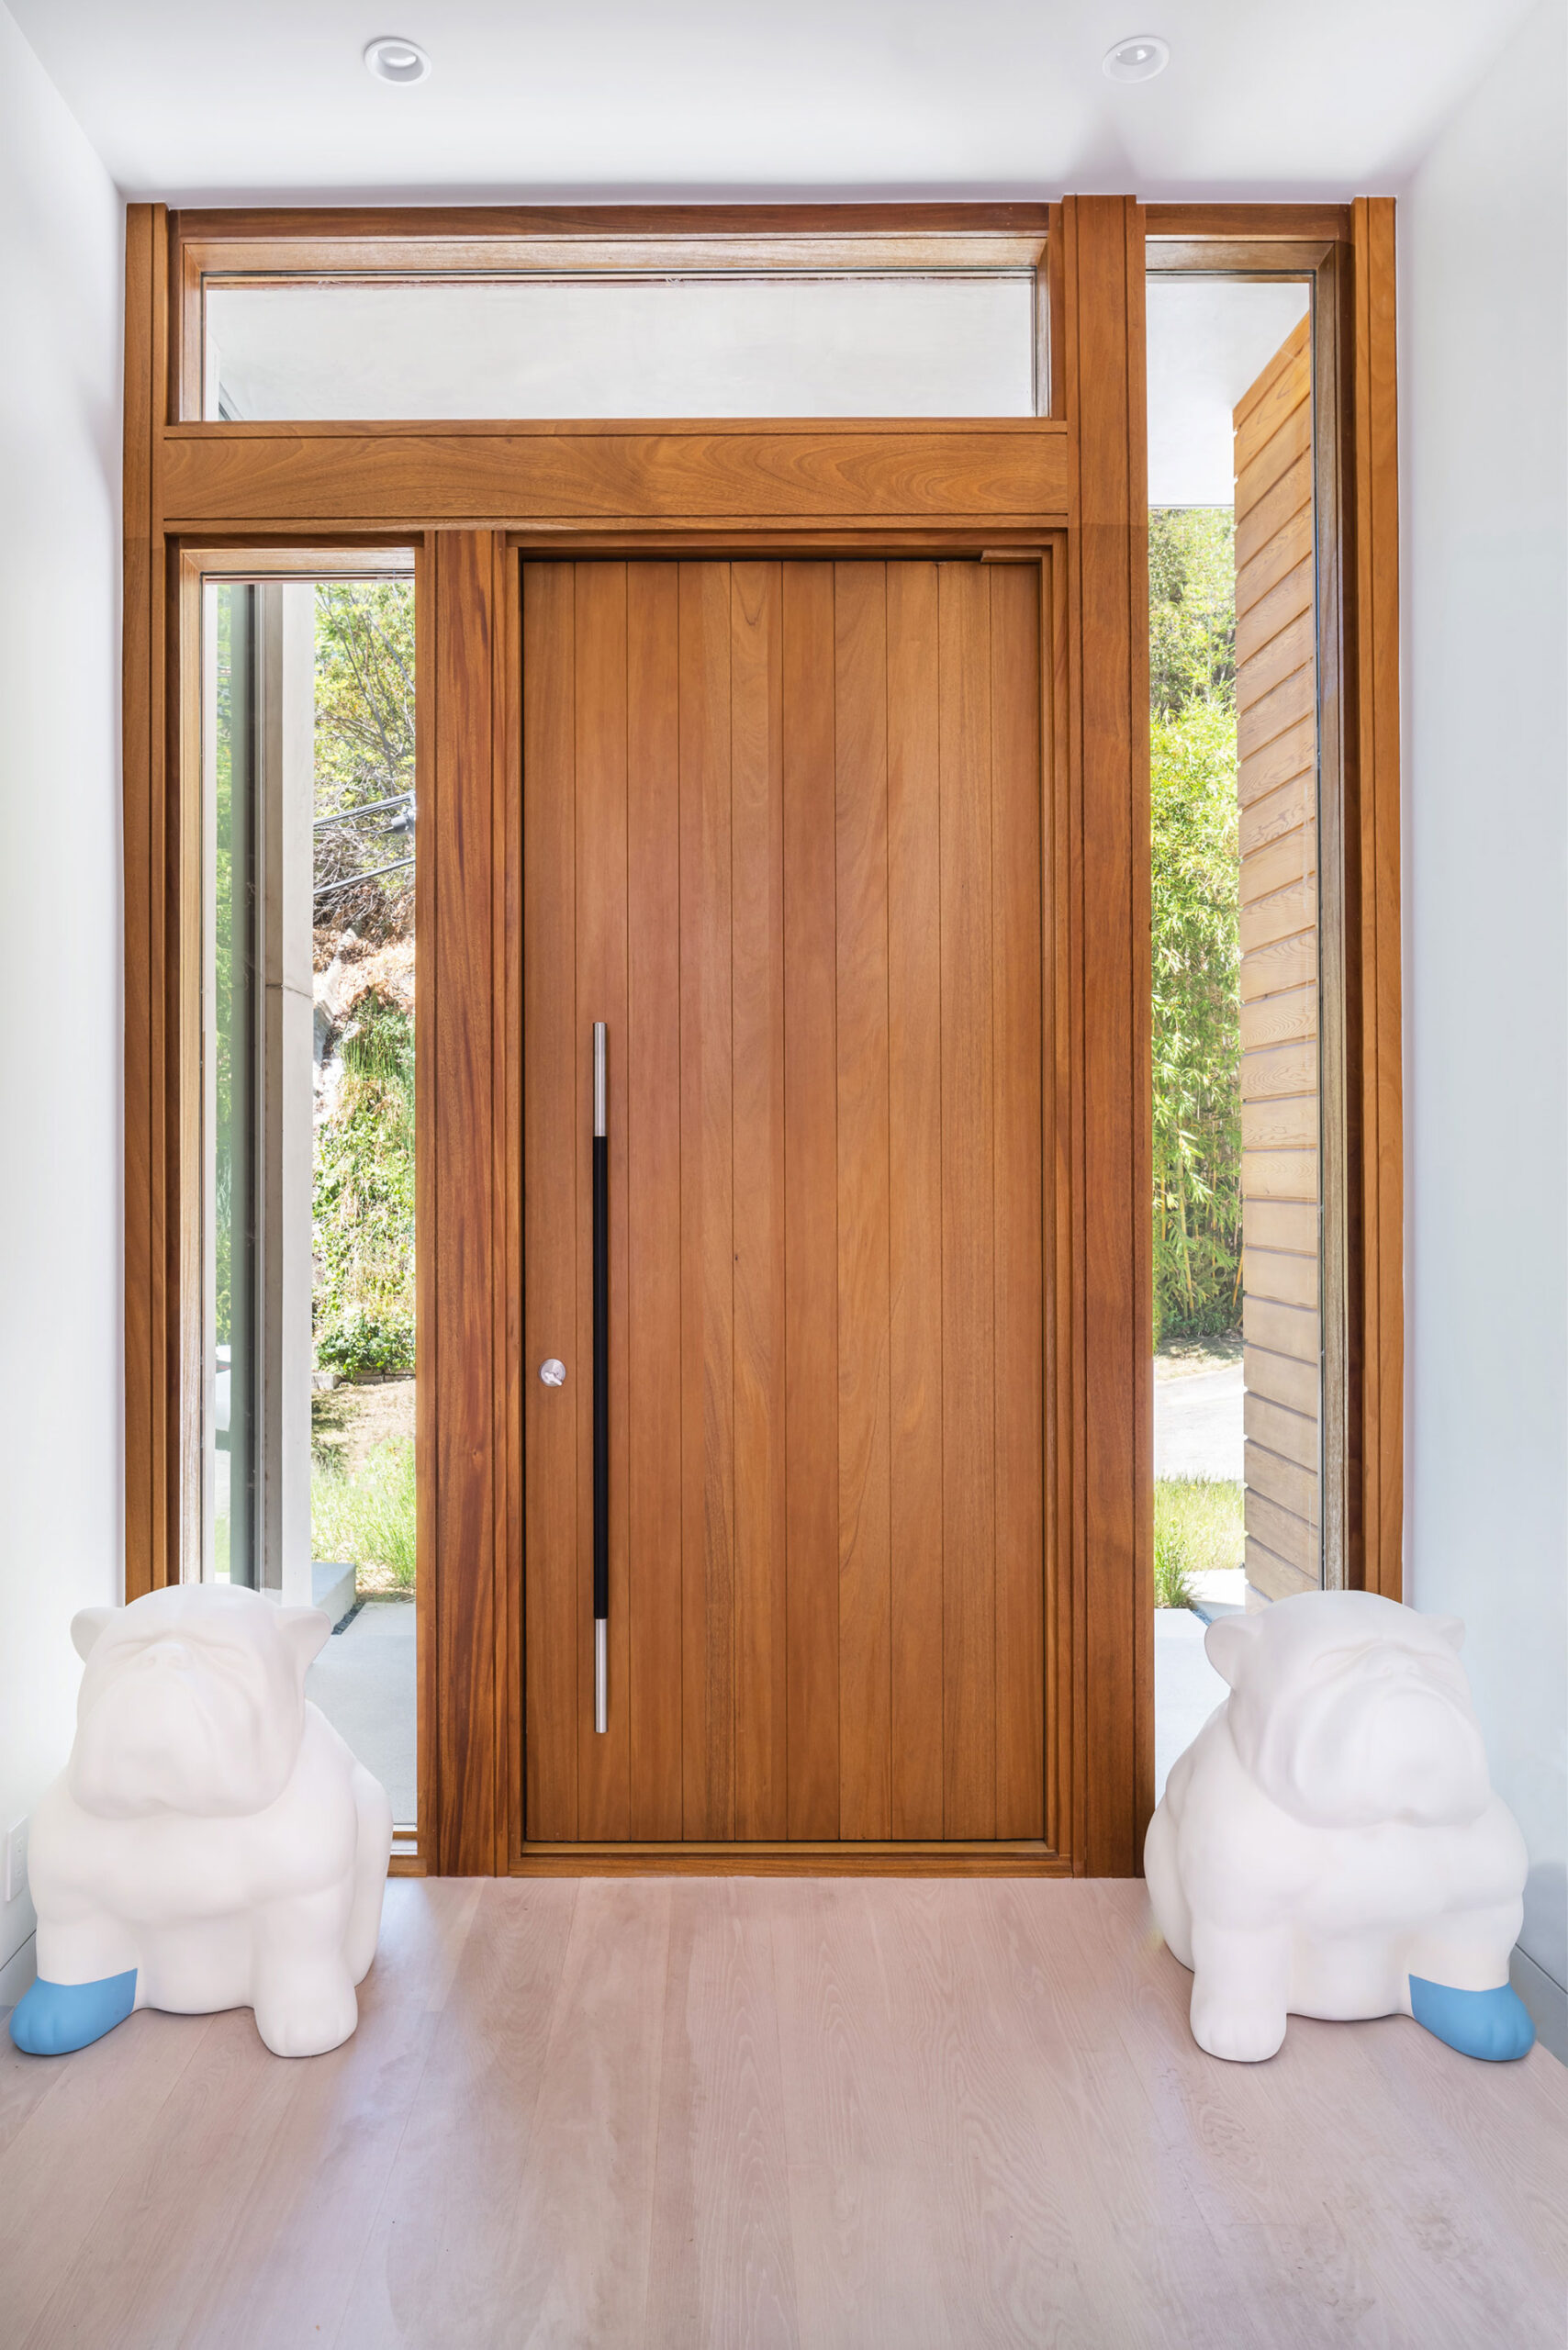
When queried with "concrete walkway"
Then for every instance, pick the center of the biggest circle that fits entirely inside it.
(364, 1683)
(1186, 1687)
(1198, 1424)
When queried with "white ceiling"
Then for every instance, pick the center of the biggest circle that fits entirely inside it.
(195, 99)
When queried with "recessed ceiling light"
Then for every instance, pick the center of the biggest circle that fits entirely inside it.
(1137, 60)
(401, 61)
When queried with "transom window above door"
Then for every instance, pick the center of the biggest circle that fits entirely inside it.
(581, 321)
(959, 343)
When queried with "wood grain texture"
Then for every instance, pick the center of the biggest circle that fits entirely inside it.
(684, 475)
(1292, 1434)
(1372, 839)
(444, 2249)
(1268, 1224)
(811, 1180)
(391, 228)
(1271, 1577)
(707, 1247)
(721, 2248)
(915, 1203)
(653, 1241)
(1060, 997)
(1109, 626)
(1255, 223)
(968, 1174)
(1283, 1329)
(601, 881)
(830, 907)
(460, 830)
(427, 1385)
(145, 1535)
(1281, 1112)
(551, 1080)
(865, 1179)
(809, 1856)
(758, 1011)
(506, 1156)
(1273, 397)
(1018, 1264)
(835, 2114)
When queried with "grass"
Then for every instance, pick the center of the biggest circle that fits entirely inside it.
(367, 1519)
(1197, 1528)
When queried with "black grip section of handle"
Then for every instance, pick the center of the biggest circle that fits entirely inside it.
(600, 1378)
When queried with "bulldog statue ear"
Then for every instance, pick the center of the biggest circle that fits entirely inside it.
(306, 1631)
(1449, 1628)
(87, 1625)
(1226, 1644)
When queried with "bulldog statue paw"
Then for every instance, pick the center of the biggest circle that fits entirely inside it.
(1329, 1844)
(212, 1843)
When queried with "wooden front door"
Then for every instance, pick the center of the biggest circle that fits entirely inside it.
(782, 835)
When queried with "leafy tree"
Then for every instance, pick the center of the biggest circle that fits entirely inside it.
(363, 1201)
(364, 1189)
(1196, 959)
(1192, 608)
(364, 747)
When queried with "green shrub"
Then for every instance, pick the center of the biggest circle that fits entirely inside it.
(1192, 608)
(1196, 876)
(1198, 1528)
(363, 1201)
(367, 1520)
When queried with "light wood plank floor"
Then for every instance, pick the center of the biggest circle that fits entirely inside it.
(686, 2111)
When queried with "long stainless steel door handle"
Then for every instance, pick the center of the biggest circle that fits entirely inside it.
(601, 1379)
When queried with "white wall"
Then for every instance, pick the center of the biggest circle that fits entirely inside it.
(61, 1445)
(1484, 264)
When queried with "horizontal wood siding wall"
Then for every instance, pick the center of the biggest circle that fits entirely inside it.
(1277, 780)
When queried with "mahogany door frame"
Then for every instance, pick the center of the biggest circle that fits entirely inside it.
(1067, 489)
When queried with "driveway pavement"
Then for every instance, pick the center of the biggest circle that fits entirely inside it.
(1186, 1687)
(1197, 1423)
(364, 1681)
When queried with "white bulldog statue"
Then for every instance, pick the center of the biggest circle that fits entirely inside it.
(1329, 1844)
(212, 1843)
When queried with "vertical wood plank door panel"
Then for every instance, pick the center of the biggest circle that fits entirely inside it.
(782, 831)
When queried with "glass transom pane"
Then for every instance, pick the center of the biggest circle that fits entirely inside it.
(949, 343)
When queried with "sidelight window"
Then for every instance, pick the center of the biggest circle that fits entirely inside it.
(1238, 970)
(308, 1052)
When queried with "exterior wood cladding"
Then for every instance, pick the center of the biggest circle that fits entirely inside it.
(1276, 694)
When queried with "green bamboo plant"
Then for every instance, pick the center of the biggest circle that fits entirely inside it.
(1195, 952)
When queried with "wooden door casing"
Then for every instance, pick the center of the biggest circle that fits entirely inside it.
(781, 829)
(473, 498)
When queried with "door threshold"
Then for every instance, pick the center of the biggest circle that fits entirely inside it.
(1023, 1857)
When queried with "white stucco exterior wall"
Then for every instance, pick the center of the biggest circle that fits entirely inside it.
(61, 1475)
(1484, 371)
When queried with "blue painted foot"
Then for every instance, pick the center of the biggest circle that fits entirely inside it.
(52, 2019)
(1491, 2024)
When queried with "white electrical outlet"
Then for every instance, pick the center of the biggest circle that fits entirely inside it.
(16, 1859)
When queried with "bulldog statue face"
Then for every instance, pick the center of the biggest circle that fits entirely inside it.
(1350, 1710)
(193, 1701)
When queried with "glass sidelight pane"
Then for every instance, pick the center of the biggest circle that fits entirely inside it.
(954, 343)
(231, 1076)
(308, 1047)
(1234, 778)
